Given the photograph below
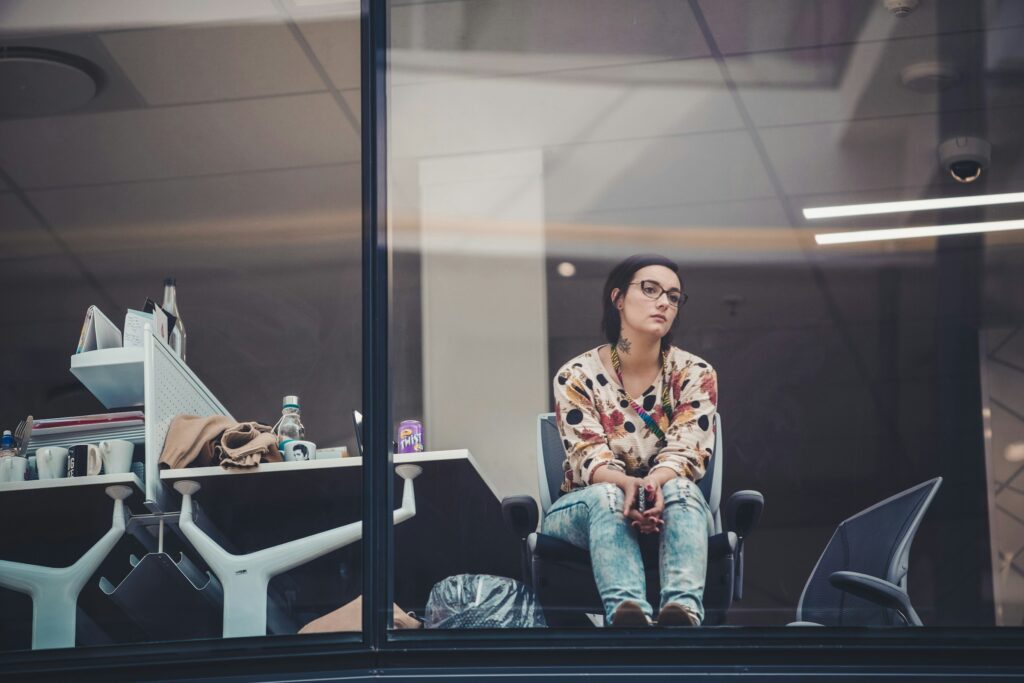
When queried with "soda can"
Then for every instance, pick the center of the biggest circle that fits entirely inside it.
(410, 437)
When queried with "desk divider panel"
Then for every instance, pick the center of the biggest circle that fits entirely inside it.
(170, 388)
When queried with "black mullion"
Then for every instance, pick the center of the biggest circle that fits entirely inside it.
(377, 494)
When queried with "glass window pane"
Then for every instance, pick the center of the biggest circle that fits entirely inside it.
(218, 145)
(865, 384)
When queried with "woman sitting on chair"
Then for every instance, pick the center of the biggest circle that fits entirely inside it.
(637, 421)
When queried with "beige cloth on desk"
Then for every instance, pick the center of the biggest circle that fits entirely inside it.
(350, 618)
(245, 444)
(203, 441)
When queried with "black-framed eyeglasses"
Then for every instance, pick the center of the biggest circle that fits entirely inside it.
(652, 290)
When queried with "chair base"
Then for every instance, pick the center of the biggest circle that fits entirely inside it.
(563, 580)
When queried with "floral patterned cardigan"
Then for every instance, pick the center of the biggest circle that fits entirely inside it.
(599, 426)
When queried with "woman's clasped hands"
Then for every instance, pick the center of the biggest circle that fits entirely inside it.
(649, 521)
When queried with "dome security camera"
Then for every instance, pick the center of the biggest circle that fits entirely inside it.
(965, 157)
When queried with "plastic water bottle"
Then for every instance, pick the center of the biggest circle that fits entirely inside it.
(289, 427)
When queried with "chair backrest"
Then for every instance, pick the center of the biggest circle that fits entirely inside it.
(711, 483)
(875, 541)
(551, 456)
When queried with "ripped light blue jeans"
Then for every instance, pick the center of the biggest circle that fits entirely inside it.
(592, 519)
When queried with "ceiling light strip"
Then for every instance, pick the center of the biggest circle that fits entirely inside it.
(912, 233)
(913, 205)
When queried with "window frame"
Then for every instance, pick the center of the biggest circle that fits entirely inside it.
(378, 649)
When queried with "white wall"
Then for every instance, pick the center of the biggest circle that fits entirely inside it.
(484, 311)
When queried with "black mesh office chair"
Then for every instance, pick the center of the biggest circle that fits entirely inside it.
(861, 577)
(560, 573)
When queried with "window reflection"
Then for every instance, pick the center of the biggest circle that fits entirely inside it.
(531, 152)
(218, 145)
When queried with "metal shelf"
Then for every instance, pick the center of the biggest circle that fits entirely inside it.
(114, 376)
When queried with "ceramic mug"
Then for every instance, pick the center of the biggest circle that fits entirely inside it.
(52, 462)
(13, 468)
(84, 460)
(299, 450)
(116, 455)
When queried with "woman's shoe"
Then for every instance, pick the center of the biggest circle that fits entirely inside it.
(674, 614)
(630, 615)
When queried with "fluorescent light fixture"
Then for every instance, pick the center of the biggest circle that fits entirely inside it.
(911, 233)
(913, 205)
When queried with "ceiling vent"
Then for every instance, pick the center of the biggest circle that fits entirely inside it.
(37, 82)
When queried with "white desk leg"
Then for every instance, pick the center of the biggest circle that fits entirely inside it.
(244, 578)
(54, 592)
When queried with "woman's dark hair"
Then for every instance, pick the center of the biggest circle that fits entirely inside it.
(619, 278)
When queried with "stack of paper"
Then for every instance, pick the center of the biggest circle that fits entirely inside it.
(129, 425)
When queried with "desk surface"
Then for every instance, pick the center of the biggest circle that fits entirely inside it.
(457, 528)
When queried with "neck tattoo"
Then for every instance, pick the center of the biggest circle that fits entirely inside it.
(624, 344)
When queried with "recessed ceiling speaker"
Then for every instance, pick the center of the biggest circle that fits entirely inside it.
(929, 77)
(38, 82)
(901, 8)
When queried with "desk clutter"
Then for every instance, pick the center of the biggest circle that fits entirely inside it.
(194, 546)
(99, 332)
(77, 446)
(217, 439)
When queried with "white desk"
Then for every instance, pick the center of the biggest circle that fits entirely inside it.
(245, 576)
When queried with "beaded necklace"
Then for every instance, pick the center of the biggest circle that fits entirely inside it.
(666, 405)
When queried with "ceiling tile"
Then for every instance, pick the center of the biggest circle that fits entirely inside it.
(873, 154)
(493, 37)
(863, 81)
(229, 219)
(194, 64)
(653, 172)
(353, 98)
(758, 25)
(24, 237)
(335, 42)
(896, 154)
(476, 115)
(72, 16)
(246, 135)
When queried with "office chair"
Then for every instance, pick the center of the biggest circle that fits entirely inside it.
(861, 577)
(560, 573)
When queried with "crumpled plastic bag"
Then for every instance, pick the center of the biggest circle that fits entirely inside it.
(482, 601)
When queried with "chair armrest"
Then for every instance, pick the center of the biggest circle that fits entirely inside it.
(876, 590)
(722, 545)
(743, 512)
(520, 514)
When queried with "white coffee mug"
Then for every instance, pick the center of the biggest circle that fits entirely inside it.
(299, 450)
(52, 462)
(12, 468)
(116, 455)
